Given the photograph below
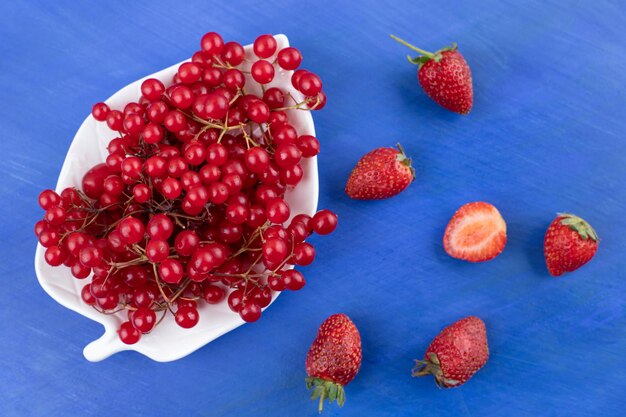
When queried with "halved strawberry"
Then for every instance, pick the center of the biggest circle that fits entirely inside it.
(476, 233)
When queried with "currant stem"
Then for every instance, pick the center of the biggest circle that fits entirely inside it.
(415, 48)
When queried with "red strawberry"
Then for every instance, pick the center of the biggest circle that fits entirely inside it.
(457, 353)
(381, 173)
(476, 233)
(444, 76)
(334, 359)
(570, 243)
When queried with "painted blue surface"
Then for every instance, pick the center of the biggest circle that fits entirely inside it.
(546, 135)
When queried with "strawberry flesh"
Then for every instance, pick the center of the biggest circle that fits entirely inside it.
(476, 233)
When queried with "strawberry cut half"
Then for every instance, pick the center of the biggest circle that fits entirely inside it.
(476, 233)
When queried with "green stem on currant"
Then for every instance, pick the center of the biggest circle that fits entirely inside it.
(415, 48)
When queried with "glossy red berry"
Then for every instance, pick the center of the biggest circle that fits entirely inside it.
(128, 333)
(264, 46)
(289, 58)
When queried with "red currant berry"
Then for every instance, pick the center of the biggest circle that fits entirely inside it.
(212, 43)
(189, 73)
(209, 174)
(190, 179)
(48, 199)
(86, 295)
(128, 333)
(289, 58)
(80, 271)
(171, 271)
(131, 230)
(174, 121)
(324, 222)
(152, 89)
(293, 280)
(233, 53)
(99, 111)
(216, 106)
(115, 120)
(318, 102)
(55, 216)
(133, 123)
(131, 167)
(55, 256)
(234, 79)
(187, 317)
(287, 155)
(256, 217)
(295, 78)
(90, 256)
(310, 84)
(202, 58)
(258, 111)
(141, 193)
(262, 72)
(257, 159)
(229, 232)
(284, 134)
(233, 182)
(181, 97)
(292, 175)
(152, 133)
(157, 250)
(186, 242)
(303, 253)
(274, 98)
(275, 250)
(195, 154)
(156, 166)
(160, 227)
(275, 282)
(218, 193)
(216, 154)
(235, 300)
(277, 211)
(156, 111)
(213, 294)
(143, 319)
(308, 145)
(264, 46)
(171, 188)
(250, 312)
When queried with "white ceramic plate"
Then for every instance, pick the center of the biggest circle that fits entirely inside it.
(168, 341)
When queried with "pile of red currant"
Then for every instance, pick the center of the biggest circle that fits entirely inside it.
(189, 206)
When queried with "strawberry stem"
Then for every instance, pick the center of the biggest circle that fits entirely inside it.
(415, 48)
(321, 404)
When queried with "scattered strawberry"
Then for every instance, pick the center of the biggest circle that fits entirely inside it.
(444, 76)
(334, 359)
(476, 233)
(456, 354)
(570, 243)
(381, 173)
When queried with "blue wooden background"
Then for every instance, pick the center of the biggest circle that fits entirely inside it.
(546, 135)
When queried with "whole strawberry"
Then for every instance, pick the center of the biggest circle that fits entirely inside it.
(444, 76)
(334, 359)
(381, 173)
(457, 353)
(570, 242)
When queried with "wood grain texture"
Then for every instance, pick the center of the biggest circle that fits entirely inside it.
(546, 135)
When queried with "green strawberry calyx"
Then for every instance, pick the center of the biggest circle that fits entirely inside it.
(405, 160)
(325, 389)
(577, 224)
(425, 55)
(432, 366)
